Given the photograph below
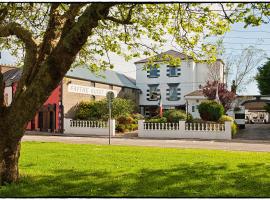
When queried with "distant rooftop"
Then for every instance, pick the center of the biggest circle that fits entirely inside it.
(108, 77)
(11, 76)
(173, 53)
(82, 72)
(195, 93)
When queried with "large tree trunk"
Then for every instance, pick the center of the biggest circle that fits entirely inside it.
(9, 159)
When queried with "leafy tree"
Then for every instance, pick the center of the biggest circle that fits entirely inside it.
(263, 78)
(226, 97)
(50, 38)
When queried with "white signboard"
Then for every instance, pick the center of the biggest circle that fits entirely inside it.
(89, 90)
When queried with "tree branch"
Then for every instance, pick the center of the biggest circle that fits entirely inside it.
(55, 66)
(1, 91)
(226, 16)
(125, 21)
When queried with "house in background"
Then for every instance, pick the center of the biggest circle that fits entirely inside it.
(171, 83)
(78, 85)
(193, 100)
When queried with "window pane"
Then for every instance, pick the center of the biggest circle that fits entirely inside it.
(172, 71)
(153, 92)
(153, 72)
(173, 93)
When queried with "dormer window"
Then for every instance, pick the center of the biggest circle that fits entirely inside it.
(173, 71)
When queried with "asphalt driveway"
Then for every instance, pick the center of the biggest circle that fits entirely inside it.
(255, 132)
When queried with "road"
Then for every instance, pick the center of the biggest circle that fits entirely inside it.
(233, 145)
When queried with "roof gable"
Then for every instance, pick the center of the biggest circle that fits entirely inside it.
(173, 53)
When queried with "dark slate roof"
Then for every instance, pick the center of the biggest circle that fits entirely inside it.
(12, 76)
(107, 77)
(173, 53)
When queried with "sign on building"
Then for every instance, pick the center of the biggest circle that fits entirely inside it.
(89, 90)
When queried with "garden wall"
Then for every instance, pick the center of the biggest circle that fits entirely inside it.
(182, 129)
(85, 127)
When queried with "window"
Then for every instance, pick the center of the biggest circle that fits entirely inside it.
(153, 92)
(193, 108)
(93, 84)
(173, 93)
(153, 72)
(173, 71)
(111, 87)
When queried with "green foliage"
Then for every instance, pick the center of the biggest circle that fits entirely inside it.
(174, 116)
(122, 106)
(128, 122)
(157, 119)
(267, 108)
(97, 110)
(210, 110)
(225, 118)
(234, 126)
(263, 78)
(92, 110)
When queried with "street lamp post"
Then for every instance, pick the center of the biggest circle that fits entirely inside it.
(110, 96)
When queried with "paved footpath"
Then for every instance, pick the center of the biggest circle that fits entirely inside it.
(234, 145)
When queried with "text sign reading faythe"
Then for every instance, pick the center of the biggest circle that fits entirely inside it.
(88, 90)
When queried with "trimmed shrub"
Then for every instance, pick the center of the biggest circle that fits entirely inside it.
(91, 110)
(98, 110)
(210, 110)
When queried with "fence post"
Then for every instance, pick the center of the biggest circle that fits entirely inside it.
(112, 127)
(182, 125)
(228, 129)
(140, 127)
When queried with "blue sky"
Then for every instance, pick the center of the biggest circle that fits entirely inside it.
(235, 40)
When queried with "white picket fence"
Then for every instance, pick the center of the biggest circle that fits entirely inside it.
(185, 130)
(85, 127)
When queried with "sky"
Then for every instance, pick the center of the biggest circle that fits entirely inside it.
(234, 41)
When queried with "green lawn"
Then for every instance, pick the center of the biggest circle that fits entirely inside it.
(57, 169)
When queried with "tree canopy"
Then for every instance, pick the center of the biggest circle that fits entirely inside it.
(263, 78)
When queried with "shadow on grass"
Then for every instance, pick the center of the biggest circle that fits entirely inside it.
(187, 180)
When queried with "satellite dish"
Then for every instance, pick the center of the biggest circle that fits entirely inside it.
(110, 95)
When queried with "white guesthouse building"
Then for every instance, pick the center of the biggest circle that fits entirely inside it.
(172, 84)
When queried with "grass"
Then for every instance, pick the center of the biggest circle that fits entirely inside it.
(58, 169)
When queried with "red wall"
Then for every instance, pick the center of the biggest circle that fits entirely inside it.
(54, 98)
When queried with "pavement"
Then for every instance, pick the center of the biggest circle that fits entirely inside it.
(255, 132)
(231, 145)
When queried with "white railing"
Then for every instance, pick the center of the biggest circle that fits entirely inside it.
(91, 124)
(204, 127)
(85, 127)
(185, 130)
(160, 126)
